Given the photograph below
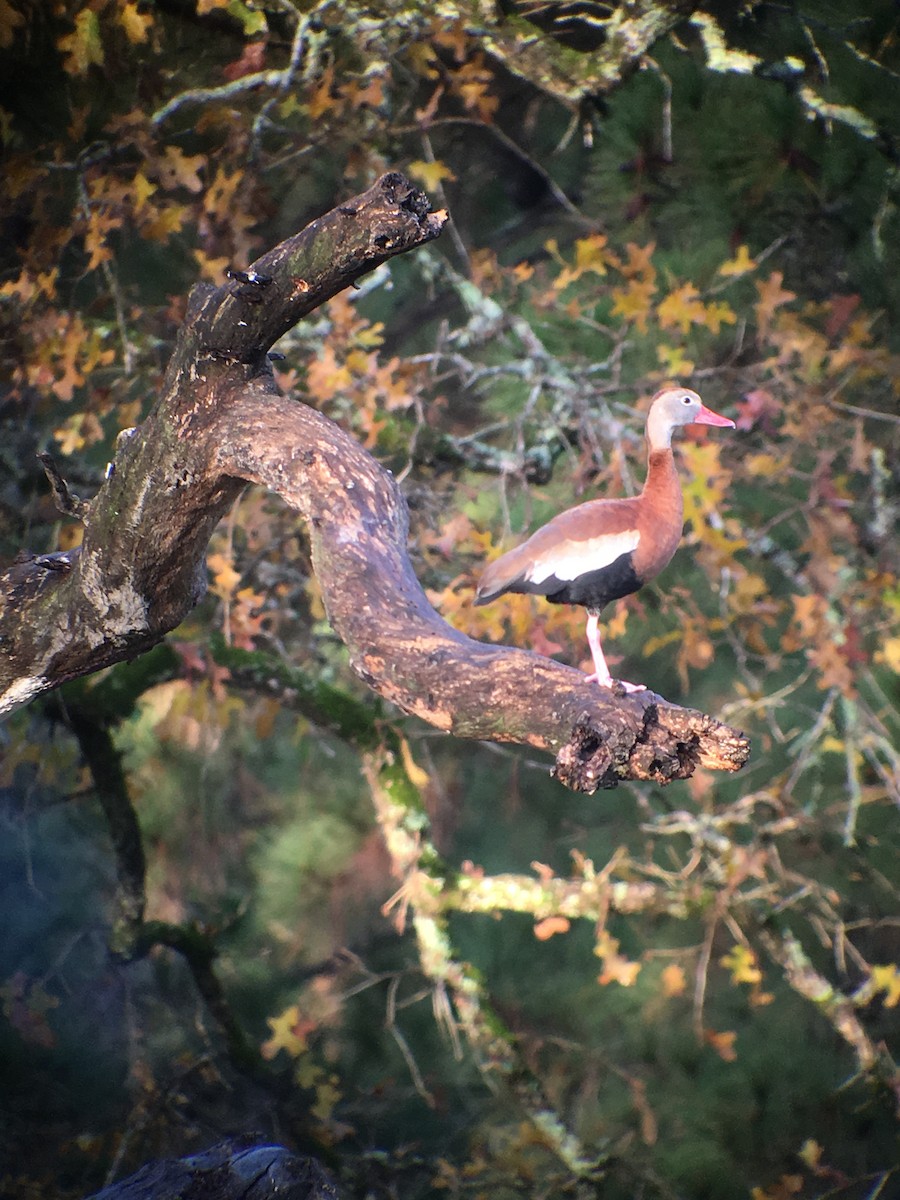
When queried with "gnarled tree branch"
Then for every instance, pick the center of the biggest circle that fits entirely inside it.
(220, 423)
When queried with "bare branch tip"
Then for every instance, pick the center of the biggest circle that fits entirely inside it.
(67, 502)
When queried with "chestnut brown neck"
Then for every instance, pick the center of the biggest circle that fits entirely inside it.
(661, 513)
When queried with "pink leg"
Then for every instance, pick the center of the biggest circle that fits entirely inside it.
(601, 670)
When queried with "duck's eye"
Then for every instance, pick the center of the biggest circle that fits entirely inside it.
(687, 399)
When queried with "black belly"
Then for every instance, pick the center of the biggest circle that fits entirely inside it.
(595, 589)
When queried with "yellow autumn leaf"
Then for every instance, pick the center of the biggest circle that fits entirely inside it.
(368, 93)
(890, 654)
(136, 24)
(887, 980)
(430, 174)
(811, 1153)
(418, 778)
(83, 47)
(634, 301)
(77, 432)
(220, 195)
(740, 264)
(639, 261)
(746, 594)
(161, 222)
(211, 267)
(141, 190)
(682, 308)
(10, 20)
(423, 57)
(718, 314)
(591, 254)
(358, 362)
(372, 335)
(225, 577)
(328, 1093)
(762, 464)
(476, 96)
(741, 962)
(616, 967)
(284, 1034)
(673, 361)
(651, 645)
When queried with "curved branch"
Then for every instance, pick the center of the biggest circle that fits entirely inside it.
(406, 652)
(141, 567)
(220, 423)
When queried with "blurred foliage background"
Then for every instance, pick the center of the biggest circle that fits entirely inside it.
(682, 993)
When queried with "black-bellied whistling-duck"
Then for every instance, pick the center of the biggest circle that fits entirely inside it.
(605, 549)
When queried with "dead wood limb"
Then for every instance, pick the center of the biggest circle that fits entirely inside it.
(220, 423)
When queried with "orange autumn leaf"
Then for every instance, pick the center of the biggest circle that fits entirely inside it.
(771, 297)
(616, 967)
(325, 377)
(786, 1187)
(369, 93)
(722, 1043)
(550, 926)
(619, 970)
(674, 981)
(246, 617)
(322, 97)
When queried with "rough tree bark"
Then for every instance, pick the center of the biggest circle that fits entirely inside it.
(221, 422)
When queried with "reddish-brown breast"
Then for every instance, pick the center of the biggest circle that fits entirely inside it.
(660, 516)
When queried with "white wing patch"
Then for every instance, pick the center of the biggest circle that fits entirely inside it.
(571, 559)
